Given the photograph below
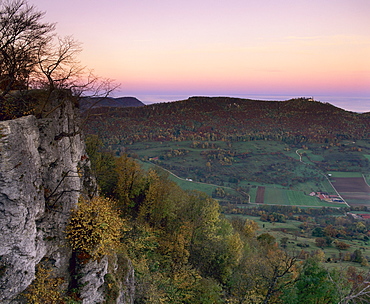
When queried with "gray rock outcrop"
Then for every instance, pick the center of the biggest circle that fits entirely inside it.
(43, 171)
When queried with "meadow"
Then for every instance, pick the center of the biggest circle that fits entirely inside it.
(275, 196)
(185, 184)
(288, 173)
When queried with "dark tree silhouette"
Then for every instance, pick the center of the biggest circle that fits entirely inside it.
(23, 36)
(32, 56)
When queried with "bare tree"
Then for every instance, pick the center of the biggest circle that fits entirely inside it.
(59, 65)
(59, 68)
(359, 291)
(22, 36)
(32, 56)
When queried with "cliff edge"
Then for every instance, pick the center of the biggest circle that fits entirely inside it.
(43, 171)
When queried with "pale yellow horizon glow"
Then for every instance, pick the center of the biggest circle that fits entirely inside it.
(223, 47)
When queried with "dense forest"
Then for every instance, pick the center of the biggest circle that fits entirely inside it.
(220, 118)
(184, 250)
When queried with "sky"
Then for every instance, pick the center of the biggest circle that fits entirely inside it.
(164, 50)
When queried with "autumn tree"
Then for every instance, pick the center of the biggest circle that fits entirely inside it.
(342, 245)
(357, 256)
(361, 227)
(283, 242)
(359, 291)
(103, 165)
(165, 231)
(95, 227)
(130, 189)
(262, 274)
(281, 272)
(159, 206)
(245, 227)
(320, 242)
(266, 239)
(330, 231)
(184, 250)
(215, 248)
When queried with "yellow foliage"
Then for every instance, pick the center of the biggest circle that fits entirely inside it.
(347, 256)
(250, 228)
(44, 289)
(131, 179)
(264, 274)
(319, 255)
(364, 262)
(160, 200)
(95, 227)
(235, 246)
(185, 280)
(176, 245)
(140, 242)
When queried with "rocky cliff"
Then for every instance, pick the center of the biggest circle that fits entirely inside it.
(43, 170)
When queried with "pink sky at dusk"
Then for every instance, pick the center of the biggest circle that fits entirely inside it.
(230, 48)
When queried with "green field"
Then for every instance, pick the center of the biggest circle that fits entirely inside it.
(245, 165)
(196, 186)
(345, 174)
(312, 156)
(278, 196)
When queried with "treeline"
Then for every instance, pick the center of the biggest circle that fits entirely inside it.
(292, 211)
(295, 121)
(185, 251)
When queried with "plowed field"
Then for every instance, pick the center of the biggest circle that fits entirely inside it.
(260, 197)
(354, 190)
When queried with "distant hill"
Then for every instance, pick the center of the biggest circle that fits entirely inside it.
(98, 102)
(221, 118)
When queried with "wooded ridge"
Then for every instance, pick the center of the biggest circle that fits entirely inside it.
(221, 118)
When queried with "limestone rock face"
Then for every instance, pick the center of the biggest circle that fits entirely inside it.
(21, 204)
(43, 171)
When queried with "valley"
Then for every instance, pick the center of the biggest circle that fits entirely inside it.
(266, 172)
(301, 175)
(247, 151)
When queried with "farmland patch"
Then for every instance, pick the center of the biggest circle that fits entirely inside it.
(247, 165)
(279, 196)
(335, 174)
(354, 190)
(260, 196)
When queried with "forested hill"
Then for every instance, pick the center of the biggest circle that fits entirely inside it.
(99, 102)
(221, 118)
